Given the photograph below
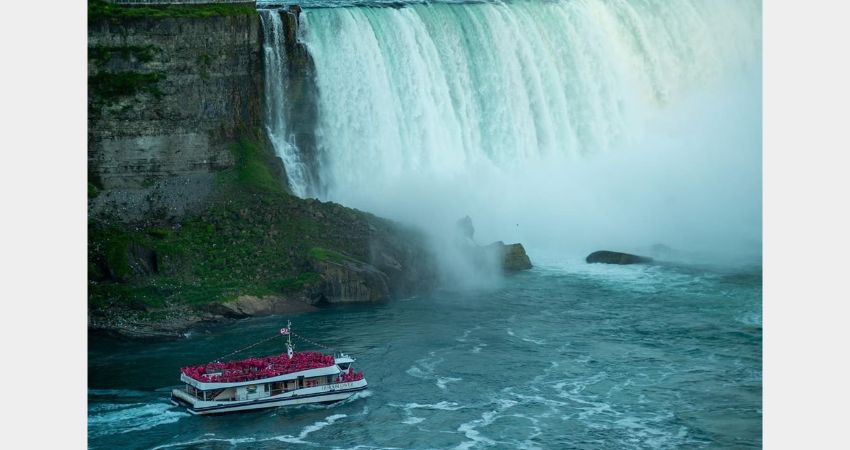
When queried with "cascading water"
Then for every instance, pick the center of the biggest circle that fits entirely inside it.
(501, 110)
(275, 86)
(443, 88)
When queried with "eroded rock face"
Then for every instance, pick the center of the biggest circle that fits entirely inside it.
(512, 256)
(167, 97)
(609, 257)
(249, 305)
(347, 280)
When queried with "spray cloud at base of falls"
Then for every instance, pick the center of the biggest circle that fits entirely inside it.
(564, 125)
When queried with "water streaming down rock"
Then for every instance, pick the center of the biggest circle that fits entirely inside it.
(276, 83)
(442, 89)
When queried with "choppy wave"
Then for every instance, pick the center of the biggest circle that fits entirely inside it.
(440, 406)
(289, 439)
(126, 418)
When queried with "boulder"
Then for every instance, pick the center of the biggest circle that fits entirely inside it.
(512, 256)
(250, 306)
(609, 257)
(465, 228)
(347, 280)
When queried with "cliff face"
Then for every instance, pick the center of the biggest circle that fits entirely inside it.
(168, 96)
(189, 215)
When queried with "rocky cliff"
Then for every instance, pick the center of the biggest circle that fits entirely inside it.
(170, 89)
(189, 216)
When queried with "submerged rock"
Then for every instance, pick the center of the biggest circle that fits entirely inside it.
(609, 257)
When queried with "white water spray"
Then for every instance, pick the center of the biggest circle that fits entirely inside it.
(275, 85)
(566, 123)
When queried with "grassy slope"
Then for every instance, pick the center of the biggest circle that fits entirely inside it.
(254, 238)
(99, 10)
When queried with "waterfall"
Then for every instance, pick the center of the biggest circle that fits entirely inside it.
(444, 88)
(276, 76)
(615, 120)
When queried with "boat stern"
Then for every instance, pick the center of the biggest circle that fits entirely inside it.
(182, 399)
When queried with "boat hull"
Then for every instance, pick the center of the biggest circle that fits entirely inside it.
(322, 394)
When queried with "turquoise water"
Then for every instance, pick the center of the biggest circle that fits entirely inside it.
(567, 355)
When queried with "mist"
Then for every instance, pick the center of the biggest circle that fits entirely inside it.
(689, 178)
(633, 128)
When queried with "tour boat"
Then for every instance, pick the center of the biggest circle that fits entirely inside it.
(291, 378)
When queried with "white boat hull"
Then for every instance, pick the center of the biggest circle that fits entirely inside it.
(318, 394)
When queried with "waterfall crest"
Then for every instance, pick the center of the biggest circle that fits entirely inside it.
(445, 88)
(569, 122)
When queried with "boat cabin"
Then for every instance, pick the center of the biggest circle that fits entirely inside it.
(221, 388)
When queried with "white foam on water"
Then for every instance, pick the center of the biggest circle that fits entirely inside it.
(470, 429)
(328, 421)
(751, 319)
(443, 381)
(413, 420)
(534, 341)
(424, 368)
(360, 446)
(205, 441)
(123, 393)
(644, 432)
(309, 429)
(111, 406)
(131, 417)
(441, 406)
(356, 396)
(417, 373)
(538, 399)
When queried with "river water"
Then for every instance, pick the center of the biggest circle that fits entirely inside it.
(567, 355)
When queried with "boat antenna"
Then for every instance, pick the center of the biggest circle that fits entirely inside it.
(288, 332)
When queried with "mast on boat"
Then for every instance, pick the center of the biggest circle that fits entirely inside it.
(288, 333)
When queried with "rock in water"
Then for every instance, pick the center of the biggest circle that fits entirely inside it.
(513, 256)
(465, 228)
(609, 257)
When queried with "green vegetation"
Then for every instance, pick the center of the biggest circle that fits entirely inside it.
(253, 239)
(252, 167)
(101, 10)
(323, 254)
(100, 55)
(109, 87)
(93, 190)
(118, 256)
(204, 62)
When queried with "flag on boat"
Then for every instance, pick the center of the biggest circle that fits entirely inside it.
(284, 331)
(289, 351)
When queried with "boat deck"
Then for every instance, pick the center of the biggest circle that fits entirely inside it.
(257, 368)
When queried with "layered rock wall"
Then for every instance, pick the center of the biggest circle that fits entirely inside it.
(167, 97)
